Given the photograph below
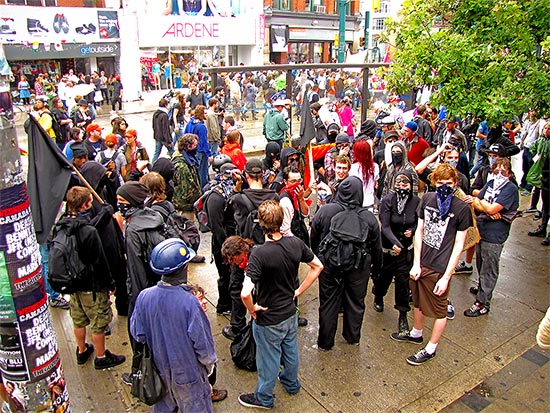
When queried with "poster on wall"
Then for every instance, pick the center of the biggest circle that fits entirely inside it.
(108, 24)
(279, 38)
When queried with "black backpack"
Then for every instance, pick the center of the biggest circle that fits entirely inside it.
(178, 226)
(345, 246)
(66, 271)
(252, 227)
(199, 206)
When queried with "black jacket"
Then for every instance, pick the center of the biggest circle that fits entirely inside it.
(350, 194)
(394, 224)
(91, 252)
(256, 196)
(144, 230)
(161, 127)
(221, 219)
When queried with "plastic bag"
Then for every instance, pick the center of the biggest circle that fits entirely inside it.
(243, 349)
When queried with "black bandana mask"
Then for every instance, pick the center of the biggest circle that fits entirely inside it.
(402, 196)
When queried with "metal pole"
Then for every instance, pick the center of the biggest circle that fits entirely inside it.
(30, 363)
(170, 67)
(365, 95)
(342, 31)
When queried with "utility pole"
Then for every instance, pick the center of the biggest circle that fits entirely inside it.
(342, 31)
(30, 365)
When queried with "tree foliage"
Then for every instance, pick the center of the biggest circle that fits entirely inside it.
(488, 57)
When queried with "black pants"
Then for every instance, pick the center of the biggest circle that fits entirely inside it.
(545, 195)
(114, 101)
(137, 347)
(526, 164)
(238, 310)
(105, 95)
(398, 267)
(345, 290)
(224, 281)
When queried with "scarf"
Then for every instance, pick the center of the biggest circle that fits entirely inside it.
(498, 183)
(402, 195)
(291, 191)
(444, 195)
(190, 158)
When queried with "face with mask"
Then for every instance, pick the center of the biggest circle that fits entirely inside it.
(451, 158)
(402, 188)
(444, 193)
(492, 159)
(125, 208)
(397, 156)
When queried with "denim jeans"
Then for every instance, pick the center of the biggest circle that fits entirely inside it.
(214, 148)
(158, 149)
(203, 168)
(45, 259)
(276, 345)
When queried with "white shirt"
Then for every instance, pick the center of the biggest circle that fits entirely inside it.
(368, 188)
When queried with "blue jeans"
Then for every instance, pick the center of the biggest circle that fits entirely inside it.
(203, 168)
(45, 259)
(214, 148)
(158, 149)
(276, 345)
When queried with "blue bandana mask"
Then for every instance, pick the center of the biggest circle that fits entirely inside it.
(444, 195)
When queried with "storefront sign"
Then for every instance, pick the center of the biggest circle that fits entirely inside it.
(68, 51)
(181, 31)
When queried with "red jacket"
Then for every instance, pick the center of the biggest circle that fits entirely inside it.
(233, 150)
(416, 149)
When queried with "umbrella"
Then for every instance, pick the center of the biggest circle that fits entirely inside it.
(82, 89)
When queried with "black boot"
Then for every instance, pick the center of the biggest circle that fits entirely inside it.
(403, 323)
(540, 231)
(378, 304)
(546, 241)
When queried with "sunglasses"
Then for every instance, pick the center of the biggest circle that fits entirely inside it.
(402, 181)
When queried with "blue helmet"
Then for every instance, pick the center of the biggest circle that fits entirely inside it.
(170, 255)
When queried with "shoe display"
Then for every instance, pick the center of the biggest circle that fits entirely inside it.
(540, 231)
(110, 360)
(127, 378)
(450, 311)
(82, 358)
(57, 23)
(35, 27)
(6, 25)
(476, 310)
(59, 302)
(474, 290)
(405, 336)
(463, 268)
(249, 400)
(420, 357)
(229, 333)
(302, 322)
(64, 24)
(218, 395)
(86, 29)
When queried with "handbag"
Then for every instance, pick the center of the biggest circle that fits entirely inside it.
(147, 384)
(243, 349)
(98, 97)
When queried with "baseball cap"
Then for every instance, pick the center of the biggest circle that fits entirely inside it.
(111, 138)
(92, 127)
(131, 132)
(253, 166)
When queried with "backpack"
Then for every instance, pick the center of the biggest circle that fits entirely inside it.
(199, 207)
(66, 271)
(103, 160)
(56, 127)
(344, 247)
(252, 227)
(178, 226)
(171, 115)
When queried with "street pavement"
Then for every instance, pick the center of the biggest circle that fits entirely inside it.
(490, 363)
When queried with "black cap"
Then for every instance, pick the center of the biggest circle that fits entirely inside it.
(342, 138)
(79, 149)
(253, 166)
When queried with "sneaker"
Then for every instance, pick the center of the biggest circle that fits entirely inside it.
(198, 259)
(525, 193)
(110, 360)
(530, 211)
(476, 310)
(474, 290)
(229, 333)
(420, 357)
(405, 336)
(127, 378)
(302, 322)
(218, 395)
(59, 302)
(249, 400)
(223, 312)
(450, 311)
(463, 268)
(82, 358)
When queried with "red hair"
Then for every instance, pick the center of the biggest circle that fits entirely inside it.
(362, 154)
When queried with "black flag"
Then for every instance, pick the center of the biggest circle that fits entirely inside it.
(48, 178)
(307, 128)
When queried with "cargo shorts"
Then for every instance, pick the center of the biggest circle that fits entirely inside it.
(85, 311)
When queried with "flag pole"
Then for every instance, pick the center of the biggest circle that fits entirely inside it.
(87, 185)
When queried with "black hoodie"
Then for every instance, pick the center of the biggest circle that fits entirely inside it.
(278, 182)
(349, 195)
(165, 168)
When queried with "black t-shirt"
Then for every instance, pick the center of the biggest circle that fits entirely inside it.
(497, 231)
(439, 236)
(273, 268)
(180, 116)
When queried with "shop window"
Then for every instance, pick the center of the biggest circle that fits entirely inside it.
(378, 24)
(282, 4)
(337, 7)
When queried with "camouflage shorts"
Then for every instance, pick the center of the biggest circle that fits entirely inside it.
(85, 311)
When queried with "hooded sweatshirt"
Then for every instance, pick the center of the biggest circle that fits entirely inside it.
(394, 170)
(278, 182)
(165, 168)
(198, 127)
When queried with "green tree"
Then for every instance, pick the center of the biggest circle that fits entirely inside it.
(488, 57)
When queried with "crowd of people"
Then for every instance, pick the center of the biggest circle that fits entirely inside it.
(389, 200)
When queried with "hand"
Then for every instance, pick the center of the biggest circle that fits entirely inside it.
(344, 150)
(415, 272)
(441, 286)
(408, 233)
(237, 177)
(299, 191)
(468, 199)
(256, 309)
(276, 164)
(396, 249)
(495, 216)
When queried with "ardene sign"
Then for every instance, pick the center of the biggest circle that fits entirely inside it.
(197, 30)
